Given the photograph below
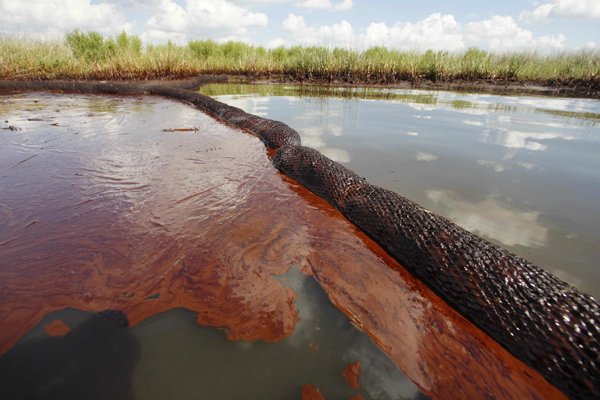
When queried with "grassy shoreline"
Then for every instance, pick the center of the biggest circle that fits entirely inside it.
(89, 56)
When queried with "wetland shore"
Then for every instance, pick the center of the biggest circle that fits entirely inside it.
(91, 57)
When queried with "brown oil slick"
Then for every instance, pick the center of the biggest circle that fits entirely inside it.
(57, 328)
(131, 218)
(352, 374)
(143, 222)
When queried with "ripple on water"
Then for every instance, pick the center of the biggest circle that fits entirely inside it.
(125, 216)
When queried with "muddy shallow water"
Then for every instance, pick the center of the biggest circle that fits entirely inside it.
(153, 208)
(521, 171)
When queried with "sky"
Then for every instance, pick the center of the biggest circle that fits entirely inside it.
(450, 25)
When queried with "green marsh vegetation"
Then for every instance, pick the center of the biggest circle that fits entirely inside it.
(89, 55)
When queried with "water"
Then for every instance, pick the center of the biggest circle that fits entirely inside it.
(523, 172)
(225, 270)
(152, 208)
(170, 356)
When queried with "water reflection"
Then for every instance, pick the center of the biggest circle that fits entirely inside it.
(420, 156)
(525, 169)
(497, 167)
(95, 360)
(170, 355)
(478, 104)
(491, 219)
(529, 166)
(524, 140)
(330, 123)
(148, 221)
(117, 213)
(472, 123)
(336, 154)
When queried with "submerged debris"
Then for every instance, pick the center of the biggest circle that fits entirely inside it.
(180, 129)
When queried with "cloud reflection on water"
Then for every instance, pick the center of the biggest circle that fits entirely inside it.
(494, 165)
(421, 156)
(254, 105)
(472, 123)
(492, 219)
(525, 140)
(484, 146)
(314, 125)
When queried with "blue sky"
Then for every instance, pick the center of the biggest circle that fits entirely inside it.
(510, 25)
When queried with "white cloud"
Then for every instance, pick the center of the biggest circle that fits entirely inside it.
(589, 46)
(343, 5)
(294, 23)
(215, 19)
(563, 9)
(137, 4)
(245, 2)
(315, 4)
(274, 43)
(183, 20)
(340, 34)
(52, 18)
(537, 14)
(502, 33)
(436, 32)
(170, 18)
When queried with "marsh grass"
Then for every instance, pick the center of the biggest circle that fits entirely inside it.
(91, 56)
